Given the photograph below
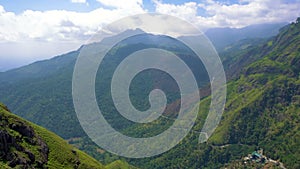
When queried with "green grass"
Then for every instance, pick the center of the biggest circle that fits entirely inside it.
(61, 154)
(118, 164)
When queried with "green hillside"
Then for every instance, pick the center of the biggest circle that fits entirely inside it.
(264, 102)
(262, 112)
(26, 145)
(42, 92)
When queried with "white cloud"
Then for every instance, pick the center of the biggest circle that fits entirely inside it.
(60, 25)
(57, 25)
(78, 1)
(35, 35)
(244, 13)
(252, 12)
(128, 4)
(186, 11)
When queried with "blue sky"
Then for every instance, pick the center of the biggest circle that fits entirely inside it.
(19, 6)
(32, 30)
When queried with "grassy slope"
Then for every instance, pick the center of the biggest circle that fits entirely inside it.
(61, 154)
(118, 164)
(264, 102)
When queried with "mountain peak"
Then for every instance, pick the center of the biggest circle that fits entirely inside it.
(126, 33)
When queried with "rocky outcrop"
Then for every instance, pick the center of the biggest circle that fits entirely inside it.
(24, 145)
(14, 135)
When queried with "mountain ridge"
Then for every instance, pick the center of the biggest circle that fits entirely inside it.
(266, 30)
(222, 37)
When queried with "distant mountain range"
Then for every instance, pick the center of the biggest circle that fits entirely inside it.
(222, 37)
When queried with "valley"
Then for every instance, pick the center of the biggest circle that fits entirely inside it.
(261, 111)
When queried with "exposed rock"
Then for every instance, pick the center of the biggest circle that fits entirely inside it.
(23, 130)
(12, 135)
(18, 160)
(30, 156)
(44, 150)
(6, 140)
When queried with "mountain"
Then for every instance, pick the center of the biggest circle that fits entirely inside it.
(26, 145)
(42, 92)
(222, 37)
(39, 69)
(263, 102)
(261, 110)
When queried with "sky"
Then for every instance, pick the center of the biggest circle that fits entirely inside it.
(32, 30)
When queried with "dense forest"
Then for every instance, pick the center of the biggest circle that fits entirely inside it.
(261, 112)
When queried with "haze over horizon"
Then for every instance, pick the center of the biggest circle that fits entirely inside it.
(32, 31)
